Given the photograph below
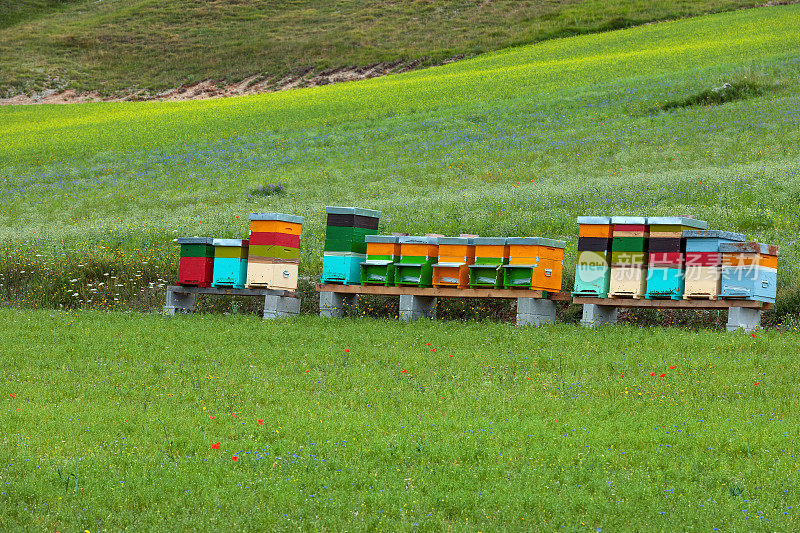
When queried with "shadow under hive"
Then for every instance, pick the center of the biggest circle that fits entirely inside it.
(666, 247)
(628, 257)
(491, 253)
(345, 244)
(456, 254)
(749, 271)
(274, 252)
(593, 266)
(197, 261)
(534, 263)
(417, 256)
(703, 268)
(230, 263)
(382, 252)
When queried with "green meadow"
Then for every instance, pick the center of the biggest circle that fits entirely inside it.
(517, 142)
(379, 425)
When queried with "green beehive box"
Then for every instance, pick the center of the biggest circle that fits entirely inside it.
(487, 272)
(416, 270)
(517, 276)
(379, 269)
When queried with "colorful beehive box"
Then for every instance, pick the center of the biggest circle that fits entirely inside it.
(230, 263)
(628, 278)
(345, 245)
(749, 271)
(417, 257)
(382, 252)
(534, 263)
(455, 256)
(197, 261)
(665, 259)
(703, 262)
(491, 253)
(593, 268)
(274, 251)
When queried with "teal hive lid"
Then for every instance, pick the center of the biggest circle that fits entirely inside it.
(536, 241)
(677, 221)
(594, 220)
(392, 239)
(456, 240)
(227, 242)
(749, 248)
(417, 239)
(294, 219)
(195, 240)
(629, 220)
(334, 210)
(490, 241)
(713, 234)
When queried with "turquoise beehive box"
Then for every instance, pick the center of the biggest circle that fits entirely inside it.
(342, 267)
(230, 263)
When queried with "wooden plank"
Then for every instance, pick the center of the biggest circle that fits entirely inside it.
(671, 304)
(438, 292)
(229, 292)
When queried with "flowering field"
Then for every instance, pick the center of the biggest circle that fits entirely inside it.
(231, 423)
(517, 142)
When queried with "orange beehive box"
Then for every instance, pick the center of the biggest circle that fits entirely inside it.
(455, 256)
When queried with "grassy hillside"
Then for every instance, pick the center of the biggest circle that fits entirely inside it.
(480, 427)
(119, 45)
(518, 142)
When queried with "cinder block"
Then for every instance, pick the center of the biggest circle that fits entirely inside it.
(281, 306)
(335, 305)
(743, 318)
(179, 302)
(598, 315)
(536, 306)
(417, 307)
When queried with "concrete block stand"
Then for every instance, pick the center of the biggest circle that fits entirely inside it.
(179, 302)
(598, 315)
(417, 307)
(335, 305)
(280, 306)
(745, 319)
(535, 311)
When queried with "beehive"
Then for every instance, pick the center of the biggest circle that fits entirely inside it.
(455, 256)
(593, 266)
(628, 276)
(749, 271)
(230, 263)
(382, 252)
(491, 253)
(274, 251)
(197, 261)
(417, 256)
(703, 262)
(534, 263)
(345, 245)
(665, 261)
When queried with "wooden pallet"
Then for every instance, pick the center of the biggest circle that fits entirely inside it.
(443, 292)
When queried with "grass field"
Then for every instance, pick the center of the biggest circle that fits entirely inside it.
(119, 45)
(517, 142)
(430, 426)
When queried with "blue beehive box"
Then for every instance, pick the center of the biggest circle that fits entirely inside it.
(342, 267)
(749, 271)
(664, 282)
(230, 263)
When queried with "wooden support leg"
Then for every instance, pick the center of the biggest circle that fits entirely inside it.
(179, 302)
(280, 306)
(742, 318)
(535, 311)
(417, 307)
(598, 315)
(335, 304)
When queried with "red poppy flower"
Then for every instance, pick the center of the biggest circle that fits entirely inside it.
(237, 216)
(662, 375)
(652, 373)
(233, 415)
(211, 417)
(752, 334)
(428, 344)
(452, 355)
(756, 383)
(235, 458)
(260, 422)
(215, 446)
(405, 371)
(347, 351)
(307, 371)
(672, 367)
(13, 395)
(433, 349)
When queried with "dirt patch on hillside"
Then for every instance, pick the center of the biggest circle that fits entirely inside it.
(256, 84)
